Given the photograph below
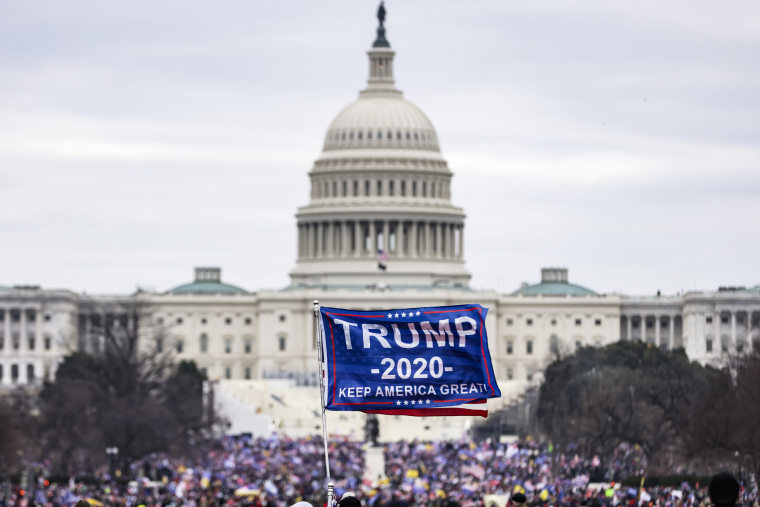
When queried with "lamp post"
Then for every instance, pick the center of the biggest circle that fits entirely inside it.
(113, 453)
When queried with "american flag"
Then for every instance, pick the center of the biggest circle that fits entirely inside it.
(382, 255)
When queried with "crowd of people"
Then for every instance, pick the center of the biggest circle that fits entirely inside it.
(281, 471)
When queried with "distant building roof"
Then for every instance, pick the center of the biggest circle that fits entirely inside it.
(208, 280)
(554, 282)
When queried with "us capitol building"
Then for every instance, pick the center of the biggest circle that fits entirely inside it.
(380, 231)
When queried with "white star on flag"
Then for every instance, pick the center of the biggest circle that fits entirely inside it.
(396, 315)
(406, 402)
(399, 403)
(390, 316)
(427, 401)
(403, 314)
(420, 402)
(418, 312)
(413, 402)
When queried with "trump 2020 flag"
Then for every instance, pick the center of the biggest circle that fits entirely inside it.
(413, 361)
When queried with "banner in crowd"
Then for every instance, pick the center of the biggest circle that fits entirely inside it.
(413, 361)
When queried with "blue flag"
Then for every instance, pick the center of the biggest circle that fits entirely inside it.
(413, 361)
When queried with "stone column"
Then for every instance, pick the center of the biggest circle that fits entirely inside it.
(452, 241)
(428, 236)
(461, 241)
(372, 238)
(732, 349)
(413, 239)
(400, 239)
(439, 241)
(629, 328)
(22, 333)
(718, 339)
(386, 232)
(358, 246)
(672, 329)
(344, 238)
(657, 330)
(320, 236)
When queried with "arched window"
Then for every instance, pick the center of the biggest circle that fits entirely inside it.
(204, 343)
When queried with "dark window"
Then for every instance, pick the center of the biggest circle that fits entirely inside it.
(248, 320)
(282, 318)
(345, 188)
(650, 324)
(708, 319)
(369, 135)
(247, 371)
(2, 342)
(577, 345)
(408, 137)
(724, 319)
(578, 322)
(509, 347)
(228, 320)
(160, 321)
(31, 341)
(228, 372)
(510, 374)
(180, 346)
(14, 373)
(47, 318)
(356, 188)
(529, 347)
(398, 135)
(30, 315)
(282, 343)
(48, 343)
(204, 343)
(203, 320)
(379, 187)
(529, 322)
(414, 189)
(360, 135)
(635, 324)
(2, 315)
(529, 376)
(228, 346)
(509, 322)
(179, 320)
(15, 317)
(159, 344)
(708, 345)
(390, 188)
(597, 322)
(366, 188)
(403, 188)
(30, 373)
(247, 346)
(554, 322)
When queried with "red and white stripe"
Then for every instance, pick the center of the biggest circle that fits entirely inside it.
(473, 408)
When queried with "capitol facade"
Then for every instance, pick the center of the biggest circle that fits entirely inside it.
(380, 230)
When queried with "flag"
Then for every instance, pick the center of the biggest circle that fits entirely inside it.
(382, 258)
(431, 361)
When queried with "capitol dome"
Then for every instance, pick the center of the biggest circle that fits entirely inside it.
(381, 121)
(380, 211)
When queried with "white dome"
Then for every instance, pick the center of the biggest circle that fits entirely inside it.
(388, 121)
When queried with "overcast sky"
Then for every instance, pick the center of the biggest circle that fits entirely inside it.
(619, 139)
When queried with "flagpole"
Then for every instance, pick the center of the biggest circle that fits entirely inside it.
(320, 360)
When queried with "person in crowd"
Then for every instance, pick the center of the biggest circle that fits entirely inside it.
(723, 490)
